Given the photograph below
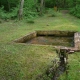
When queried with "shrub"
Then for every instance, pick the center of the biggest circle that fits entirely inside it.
(75, 11)
(8, 15)
(30, 14)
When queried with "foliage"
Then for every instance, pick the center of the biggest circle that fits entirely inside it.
(74, 6)
(8, 15)
(75, 11)
(50, 3)
(30, 9)
(9, 4)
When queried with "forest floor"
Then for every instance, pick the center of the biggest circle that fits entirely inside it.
(26, 62)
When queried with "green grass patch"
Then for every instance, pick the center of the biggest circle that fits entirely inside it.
(74, 68)
(21, 62)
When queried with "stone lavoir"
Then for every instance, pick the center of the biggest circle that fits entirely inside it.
(67, 39)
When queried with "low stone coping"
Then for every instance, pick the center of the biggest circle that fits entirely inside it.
(74, 34)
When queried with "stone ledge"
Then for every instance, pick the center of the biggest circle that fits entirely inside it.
(56, 33)
(26, 38)
(75, 34)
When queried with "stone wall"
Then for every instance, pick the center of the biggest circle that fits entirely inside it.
(56, 33)
(26, 38)
(76, 47)
(74, 34)
(77, 40)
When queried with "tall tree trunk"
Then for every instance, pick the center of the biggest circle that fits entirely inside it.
(41, 7)
(20, 13)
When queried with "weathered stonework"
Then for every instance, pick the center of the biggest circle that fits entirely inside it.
(74, 34)
(26, 38)
(77, 40)
(76, 44)
(56, 33)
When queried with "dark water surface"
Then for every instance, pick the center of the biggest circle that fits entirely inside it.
(52, 40)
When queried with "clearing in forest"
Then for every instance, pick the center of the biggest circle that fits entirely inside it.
(21, 62)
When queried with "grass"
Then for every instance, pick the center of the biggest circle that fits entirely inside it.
(26, 62)
(19, 62)
(74, 68)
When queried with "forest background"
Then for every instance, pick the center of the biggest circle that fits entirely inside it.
(29, 9)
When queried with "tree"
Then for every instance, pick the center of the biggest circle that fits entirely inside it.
(20, 13)
(42, 6)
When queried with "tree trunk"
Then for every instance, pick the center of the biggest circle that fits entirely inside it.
(20, 13)
(41, 7)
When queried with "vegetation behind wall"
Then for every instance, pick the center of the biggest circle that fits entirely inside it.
(9, 9)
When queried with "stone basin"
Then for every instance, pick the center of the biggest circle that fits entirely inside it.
(65, 39)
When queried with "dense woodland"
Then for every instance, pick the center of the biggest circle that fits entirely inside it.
(11, 9)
